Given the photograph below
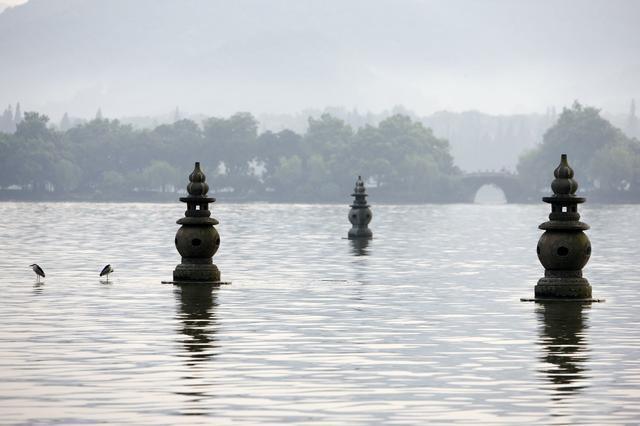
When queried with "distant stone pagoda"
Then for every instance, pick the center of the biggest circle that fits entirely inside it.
(564, 249)
(197, 240)
(360, 213)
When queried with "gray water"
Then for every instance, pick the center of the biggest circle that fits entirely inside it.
(422, 325)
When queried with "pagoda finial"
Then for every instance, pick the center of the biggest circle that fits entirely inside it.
(563, 184)
(359, 186)
(197, 186)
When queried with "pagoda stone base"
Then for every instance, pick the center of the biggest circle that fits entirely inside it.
(196, 273)
(563, 288)
(359, 233)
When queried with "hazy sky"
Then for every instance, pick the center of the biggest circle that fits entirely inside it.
(138, 57)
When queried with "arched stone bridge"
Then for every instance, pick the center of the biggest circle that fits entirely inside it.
(508, 182)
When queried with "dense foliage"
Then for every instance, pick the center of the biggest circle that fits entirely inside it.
(401, 159)
(607, 163)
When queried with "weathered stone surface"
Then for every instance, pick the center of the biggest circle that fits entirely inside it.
(360, 214)
(563, 288)
(564, 249)
(196, 272)
(197, 240)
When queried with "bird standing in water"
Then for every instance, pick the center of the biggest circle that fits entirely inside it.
(106, 271)
(38, 270)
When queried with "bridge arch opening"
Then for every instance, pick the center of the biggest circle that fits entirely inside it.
(490, 194)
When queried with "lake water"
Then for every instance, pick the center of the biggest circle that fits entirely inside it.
(423, 324)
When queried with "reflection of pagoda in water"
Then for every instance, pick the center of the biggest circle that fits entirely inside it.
(562, 337)
(359, 246)
(196, 312)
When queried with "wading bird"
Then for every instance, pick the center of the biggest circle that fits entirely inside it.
(106, 271)
(38, 270)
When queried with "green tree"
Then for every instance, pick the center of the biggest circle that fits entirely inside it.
(34, 126)
(601, 154)
(288, 175)
(405, 157)
(67, 175)
(34, 153)
(232, 141)
(113, 182)
(106, 145)
(613, 167)
(179, 144)
(273, 146)
(160, 174)
(330, 138)
(5, 156)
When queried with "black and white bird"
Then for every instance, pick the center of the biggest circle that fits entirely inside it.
(38, 270)
(106, 271)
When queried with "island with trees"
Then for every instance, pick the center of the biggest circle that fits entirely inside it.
(400, 157)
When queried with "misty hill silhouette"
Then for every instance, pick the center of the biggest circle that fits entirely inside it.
(219, 56)
(140, 52)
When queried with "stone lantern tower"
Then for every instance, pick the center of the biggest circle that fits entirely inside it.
(360, 213)
(564, 248)
(197, 240)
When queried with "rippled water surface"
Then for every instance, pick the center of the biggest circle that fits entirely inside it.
(422, 324)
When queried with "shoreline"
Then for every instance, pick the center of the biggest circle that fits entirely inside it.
(172, 197)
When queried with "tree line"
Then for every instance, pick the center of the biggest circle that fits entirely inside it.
(401, 159)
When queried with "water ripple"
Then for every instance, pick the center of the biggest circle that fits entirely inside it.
(422, 322)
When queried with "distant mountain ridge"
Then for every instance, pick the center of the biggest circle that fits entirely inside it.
(85, 54)
(219, 56)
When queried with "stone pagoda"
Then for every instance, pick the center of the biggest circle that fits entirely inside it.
(197, 240)
(564, 248)
(360, 213)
